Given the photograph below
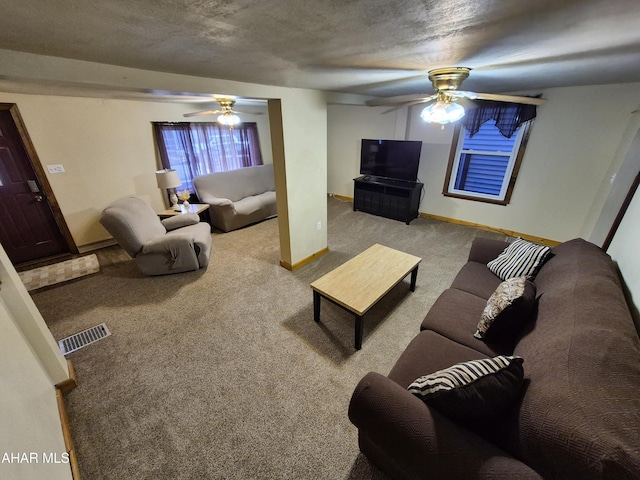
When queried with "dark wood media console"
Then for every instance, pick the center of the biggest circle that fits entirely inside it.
(396, 199)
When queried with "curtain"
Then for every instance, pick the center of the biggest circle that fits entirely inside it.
(508, 116)
(199, 148)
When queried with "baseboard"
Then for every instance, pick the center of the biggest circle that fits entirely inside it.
(341, 197)
(90, 247)
(509, 233)
(70, 383)
(64, 421)
(304, 261)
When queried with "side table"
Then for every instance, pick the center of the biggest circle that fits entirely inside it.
(202, 209)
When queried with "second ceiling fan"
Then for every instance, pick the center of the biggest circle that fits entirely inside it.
(446, 82)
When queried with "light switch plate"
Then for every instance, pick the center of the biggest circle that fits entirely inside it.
(55, 168)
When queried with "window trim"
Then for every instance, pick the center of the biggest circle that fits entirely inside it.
(456, 147)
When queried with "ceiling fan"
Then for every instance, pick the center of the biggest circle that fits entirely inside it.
(226, 114)
(446, 82)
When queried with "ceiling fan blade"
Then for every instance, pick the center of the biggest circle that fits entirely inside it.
(411, 104)
(508, 98)
(456, 94)
(247, 113)
(203, 112)
(401, 99)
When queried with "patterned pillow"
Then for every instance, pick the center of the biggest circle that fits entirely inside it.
(474, 390)
(519, 258)
(507, 310)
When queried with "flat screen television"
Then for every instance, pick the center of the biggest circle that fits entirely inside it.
(396, 159)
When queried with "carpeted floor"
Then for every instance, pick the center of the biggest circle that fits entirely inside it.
(222, 373)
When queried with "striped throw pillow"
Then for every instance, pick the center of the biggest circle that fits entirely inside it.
(518, 259)
(473, 390)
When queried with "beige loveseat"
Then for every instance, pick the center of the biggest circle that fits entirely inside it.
(238, 197)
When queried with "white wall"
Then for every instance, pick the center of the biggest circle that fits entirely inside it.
(621, 175)
(29, 368)
(347, 126)
(567, 165)
(624, 249)
(306, 178)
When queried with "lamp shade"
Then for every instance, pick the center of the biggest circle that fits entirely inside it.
(168, 178)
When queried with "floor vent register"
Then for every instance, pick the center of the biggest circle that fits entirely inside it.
(83, 338)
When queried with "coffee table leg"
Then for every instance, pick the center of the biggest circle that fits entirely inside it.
(359, 325)
(414, 276)
(316, 306)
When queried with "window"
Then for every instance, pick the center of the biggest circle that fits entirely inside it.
(484, 166)
(199, 148)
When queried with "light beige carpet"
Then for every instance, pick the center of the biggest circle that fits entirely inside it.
(222, 373)
(59, 272)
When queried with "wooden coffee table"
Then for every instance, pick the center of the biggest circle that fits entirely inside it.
(360, 283)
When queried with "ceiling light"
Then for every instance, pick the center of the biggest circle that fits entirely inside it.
(229, 118)
(443, 111)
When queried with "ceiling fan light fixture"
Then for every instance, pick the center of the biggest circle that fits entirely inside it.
(229, 119)
(442, 112)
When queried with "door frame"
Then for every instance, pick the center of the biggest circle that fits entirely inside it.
(41, 176)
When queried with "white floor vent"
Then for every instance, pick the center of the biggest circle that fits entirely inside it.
(84, 338)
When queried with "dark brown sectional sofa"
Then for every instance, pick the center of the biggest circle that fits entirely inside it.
(578, 417)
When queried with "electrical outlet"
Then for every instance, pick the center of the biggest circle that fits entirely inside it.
(55, 168)
(319, 226)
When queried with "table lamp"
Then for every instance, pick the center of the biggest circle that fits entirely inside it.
(169, 180)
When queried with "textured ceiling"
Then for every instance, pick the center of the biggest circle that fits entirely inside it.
(372, 47)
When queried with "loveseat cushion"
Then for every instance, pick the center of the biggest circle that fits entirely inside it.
(455, 315)
(507, 311)
(477, 389)
(236, 184)
(264, 202)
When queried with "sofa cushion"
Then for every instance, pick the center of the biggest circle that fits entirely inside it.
(455, 315)
(519, 258)
(477, 279)
(476, 389)
(426, 353)
(507, 310)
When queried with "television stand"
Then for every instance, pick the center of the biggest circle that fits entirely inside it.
(390, 198)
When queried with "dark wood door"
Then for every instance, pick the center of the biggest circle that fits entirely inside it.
(28, 226)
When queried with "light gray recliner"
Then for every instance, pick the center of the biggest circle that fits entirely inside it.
(176, 244)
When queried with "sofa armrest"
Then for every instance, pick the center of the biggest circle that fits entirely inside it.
(214, 201)
(421, 442)
(179, 221)
(483, 250)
